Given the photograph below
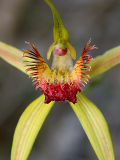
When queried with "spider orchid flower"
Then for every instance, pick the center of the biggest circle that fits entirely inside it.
(63, 82)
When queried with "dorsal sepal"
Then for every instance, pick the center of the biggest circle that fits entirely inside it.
(59, 31)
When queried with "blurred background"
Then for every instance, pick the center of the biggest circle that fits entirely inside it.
(62, 136)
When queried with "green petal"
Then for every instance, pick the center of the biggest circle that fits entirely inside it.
(12, 55)
(95, 127)
(72, 50)
(28, 128)
(105, 62)
(60, 32)
(50, 50)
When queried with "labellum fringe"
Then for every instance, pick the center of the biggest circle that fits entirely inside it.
(58, 84)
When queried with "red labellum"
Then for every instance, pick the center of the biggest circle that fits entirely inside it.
(59, 92)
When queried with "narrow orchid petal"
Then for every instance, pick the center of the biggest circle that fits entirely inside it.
(12, 55)
(60, 32)
(28, 127)
(72, 50)
(105, 62)
(95, 127)
(50, 50)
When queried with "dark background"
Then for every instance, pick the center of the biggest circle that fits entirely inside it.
(61, 137)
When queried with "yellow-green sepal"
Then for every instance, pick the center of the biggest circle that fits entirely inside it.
(59, 31)
(28, 127)
(12, 55)
(95, 127)
(104, 62)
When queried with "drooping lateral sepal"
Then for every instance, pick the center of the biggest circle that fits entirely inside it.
(59, 31)
(28, 127)
(95, 127)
